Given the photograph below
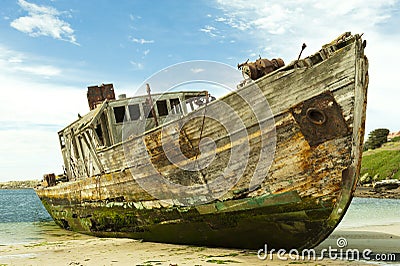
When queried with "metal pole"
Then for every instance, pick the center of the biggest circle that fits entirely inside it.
(151, 104)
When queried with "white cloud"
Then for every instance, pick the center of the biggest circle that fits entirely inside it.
(207, 29)
(133, 17)
(15, 62)
(40, 103)
(45, 70)
(30, 117)
(284, 24)
(32, 110)
(141, 41)
(210, 30)
(234, 22)
(137, 65)
(43, 21)
(146, 52)
(197, 70)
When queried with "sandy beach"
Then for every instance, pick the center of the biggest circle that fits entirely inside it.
(86, 250)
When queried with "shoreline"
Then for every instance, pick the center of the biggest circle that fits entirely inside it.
(26, 184)
(369, 192)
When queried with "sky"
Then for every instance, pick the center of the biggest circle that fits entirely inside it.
(51, 50)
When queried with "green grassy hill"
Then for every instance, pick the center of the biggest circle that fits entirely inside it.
(382, 163)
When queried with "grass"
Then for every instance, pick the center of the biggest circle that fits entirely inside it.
(396, 139)
(384, 162)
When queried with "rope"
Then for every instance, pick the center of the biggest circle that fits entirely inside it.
(202, 124)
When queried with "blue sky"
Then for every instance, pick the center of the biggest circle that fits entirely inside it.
(51, 50)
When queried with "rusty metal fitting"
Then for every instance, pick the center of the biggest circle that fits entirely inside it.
(316, 116)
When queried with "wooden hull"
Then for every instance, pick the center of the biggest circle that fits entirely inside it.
(318, 107)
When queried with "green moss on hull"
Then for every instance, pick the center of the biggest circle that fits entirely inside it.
(280, 225)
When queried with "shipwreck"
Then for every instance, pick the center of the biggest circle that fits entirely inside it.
(112, 187)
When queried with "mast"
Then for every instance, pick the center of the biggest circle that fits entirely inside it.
(151, 104)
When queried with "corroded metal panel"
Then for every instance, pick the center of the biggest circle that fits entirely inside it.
(97, 94)
(320, 119)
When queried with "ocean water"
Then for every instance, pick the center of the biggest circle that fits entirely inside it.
(21, 205)
(23, 219)
(369, 211)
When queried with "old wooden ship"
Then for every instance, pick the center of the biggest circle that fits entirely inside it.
(318, 105)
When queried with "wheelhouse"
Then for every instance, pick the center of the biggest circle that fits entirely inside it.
(102, 128)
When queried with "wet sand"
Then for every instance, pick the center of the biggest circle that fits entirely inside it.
(85, 250)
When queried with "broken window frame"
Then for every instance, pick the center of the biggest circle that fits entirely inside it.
(118, 116)
(100, 138)
(134, 116)
(74, 144)
(62, 141)
(147, 110)
(162, 107)
(175, 106)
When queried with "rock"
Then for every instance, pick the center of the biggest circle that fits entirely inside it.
(365, 179)
(387, 184)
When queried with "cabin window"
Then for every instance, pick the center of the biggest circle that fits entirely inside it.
(189, 105)
(62, 141)
(194, 103)
(134, 111)
(99, 133)
(75, 146)
(104, 129)
(162, 108)
(147, 110)
(119, 113)
(81, 146)
(175, 106)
